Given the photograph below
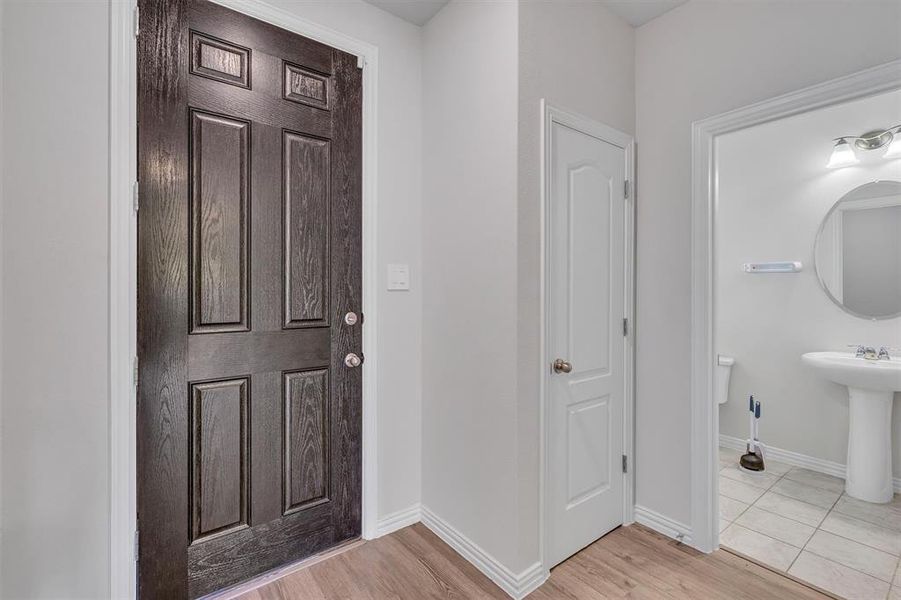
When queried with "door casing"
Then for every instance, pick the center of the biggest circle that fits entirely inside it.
(123, 270)
(551, 114)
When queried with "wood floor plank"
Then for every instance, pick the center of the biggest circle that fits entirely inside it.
(630, 562)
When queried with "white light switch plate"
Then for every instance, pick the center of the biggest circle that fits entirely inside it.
(398, 277)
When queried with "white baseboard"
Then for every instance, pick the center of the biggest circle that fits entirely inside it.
(797, 459)
(516, 585)
(662, 524)
(398, 520)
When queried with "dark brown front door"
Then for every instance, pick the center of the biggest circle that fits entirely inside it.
(249, 420)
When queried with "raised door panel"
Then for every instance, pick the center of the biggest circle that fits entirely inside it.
(220, 60)
(306, 194)
(219, 223)
(589, 255)
(219, 452)
(588, 442)
(306, 439)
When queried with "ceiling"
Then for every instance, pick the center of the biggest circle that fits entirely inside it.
(417, 12)
(638, 12)
(633, 12)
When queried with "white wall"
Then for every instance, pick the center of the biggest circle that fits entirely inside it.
(774, 191)
(469, 272)
(699, 60)
(54, 437)
(54, 434)
(580, 57)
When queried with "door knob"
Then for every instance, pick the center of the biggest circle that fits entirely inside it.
(352, 360)
(561, 366)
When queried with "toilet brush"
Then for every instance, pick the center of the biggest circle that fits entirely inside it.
(752, 460)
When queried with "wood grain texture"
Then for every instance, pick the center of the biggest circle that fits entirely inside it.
(220, 181)
(307, 200)
(219, 451)
(213, 345)
(306, 87)
(306, 439)
(630, 562)
(162, 441)
(346, 293)
(220, 60)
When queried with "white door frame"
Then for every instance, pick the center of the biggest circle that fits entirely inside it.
(704, 414)
(551, 114)
(123, 269)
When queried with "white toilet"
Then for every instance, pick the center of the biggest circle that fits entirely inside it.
(721, 378)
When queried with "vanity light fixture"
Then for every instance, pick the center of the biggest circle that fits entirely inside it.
(843, 154)
(894, 148)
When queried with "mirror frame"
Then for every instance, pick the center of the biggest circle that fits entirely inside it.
(816, 245)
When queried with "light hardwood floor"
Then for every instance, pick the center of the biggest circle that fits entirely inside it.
(632, 562)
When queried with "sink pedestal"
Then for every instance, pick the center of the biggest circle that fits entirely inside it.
(869, 475)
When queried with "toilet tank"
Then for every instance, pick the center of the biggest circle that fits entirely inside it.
(724, 366)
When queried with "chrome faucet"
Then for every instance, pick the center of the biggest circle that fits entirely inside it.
(865, 352)
(869, 352)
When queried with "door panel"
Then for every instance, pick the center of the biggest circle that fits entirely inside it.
(249, 422)
(585, 307)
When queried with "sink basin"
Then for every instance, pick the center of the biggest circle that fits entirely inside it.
(847, 369)
(871, 387)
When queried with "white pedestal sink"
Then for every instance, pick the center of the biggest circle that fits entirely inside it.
(871, 388)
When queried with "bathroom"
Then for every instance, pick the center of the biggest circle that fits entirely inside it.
(807, 259)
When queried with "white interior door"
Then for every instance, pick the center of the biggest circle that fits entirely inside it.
(585, 279)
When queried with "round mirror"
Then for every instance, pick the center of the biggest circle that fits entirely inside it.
(858, 251)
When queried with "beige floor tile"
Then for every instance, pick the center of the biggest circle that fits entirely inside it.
(730, 509)
(884, 515)
(797, 510)
(805, 493)
(723, 524)
(818, 480)
(777, 468)
(765, 549)
(776, 526)
(882, 538)
(861, 558)
(838, 579)
(760, 480)
(897, 579)
(895, 593)
(739, 491)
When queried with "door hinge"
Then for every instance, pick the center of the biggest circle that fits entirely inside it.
(137, 545)
(625, 327)
(135, 196)
(137, 20)
(627, 188)
(361, 62)
(625, 463)
(134, 373)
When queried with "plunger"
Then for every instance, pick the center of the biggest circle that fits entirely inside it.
(752, 460)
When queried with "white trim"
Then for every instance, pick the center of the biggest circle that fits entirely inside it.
(704, 422)
(399, 519)
(122, 297)
(370, 59)
(661, 524)
(123, 269)
(516, 585)
(796, 459)
(552, 114)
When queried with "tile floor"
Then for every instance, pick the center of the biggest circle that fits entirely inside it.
(801, 522)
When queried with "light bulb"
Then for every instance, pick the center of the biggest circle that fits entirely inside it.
(842, 155)
(894, 148)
